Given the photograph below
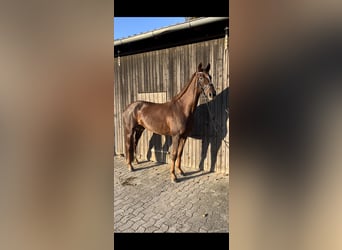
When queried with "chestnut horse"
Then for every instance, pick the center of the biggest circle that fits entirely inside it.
(173, 118)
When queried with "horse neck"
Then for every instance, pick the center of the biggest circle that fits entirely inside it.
(188, 97)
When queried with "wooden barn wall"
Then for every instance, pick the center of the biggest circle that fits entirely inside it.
(159, 75)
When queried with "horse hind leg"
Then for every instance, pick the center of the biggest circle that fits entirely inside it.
(129, 147)
(179, 156)
(138, 132)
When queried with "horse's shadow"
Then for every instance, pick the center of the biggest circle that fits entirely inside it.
(211, 133)
(192, 174)
(160, 151)
(211, 127)
(156, 164)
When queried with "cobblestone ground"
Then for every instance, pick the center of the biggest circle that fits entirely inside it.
(146, 201)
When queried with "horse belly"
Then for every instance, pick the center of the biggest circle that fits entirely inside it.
(154, 120)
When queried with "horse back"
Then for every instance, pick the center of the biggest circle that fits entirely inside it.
(132, 109)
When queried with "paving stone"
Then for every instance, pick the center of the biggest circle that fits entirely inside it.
(146, 201)
(141, 229)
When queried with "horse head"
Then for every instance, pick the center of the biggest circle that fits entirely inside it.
(204, 81)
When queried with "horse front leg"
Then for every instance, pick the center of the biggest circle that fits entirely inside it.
(175, 143)
(179, 155)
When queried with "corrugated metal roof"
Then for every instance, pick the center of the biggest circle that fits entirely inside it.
(144, 32)
(171, 28)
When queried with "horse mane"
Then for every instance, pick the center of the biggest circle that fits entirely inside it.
(181, 93)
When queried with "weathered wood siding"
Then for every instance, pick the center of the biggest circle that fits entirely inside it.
(159, 75)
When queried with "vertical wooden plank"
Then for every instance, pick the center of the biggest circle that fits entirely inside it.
(115, 106)
(226, 80)
(153, 85)
(119, 109)
(142, 73)
(215, 109)
(156, 67)
(124, 88)
(218, 107)
(150, 81)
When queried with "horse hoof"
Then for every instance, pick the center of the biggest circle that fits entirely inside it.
(136, 161)
(182, 173)
(173, 180)
(131, 169)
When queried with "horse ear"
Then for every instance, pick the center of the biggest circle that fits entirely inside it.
(207, 68)
(199, 68)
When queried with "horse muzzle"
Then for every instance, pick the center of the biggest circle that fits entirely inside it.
(211, 95)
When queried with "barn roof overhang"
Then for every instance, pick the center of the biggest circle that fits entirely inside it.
(197, 30)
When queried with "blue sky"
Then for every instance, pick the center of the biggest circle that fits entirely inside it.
(128, 26)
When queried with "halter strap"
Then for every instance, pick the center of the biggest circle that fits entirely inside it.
(204, 87)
